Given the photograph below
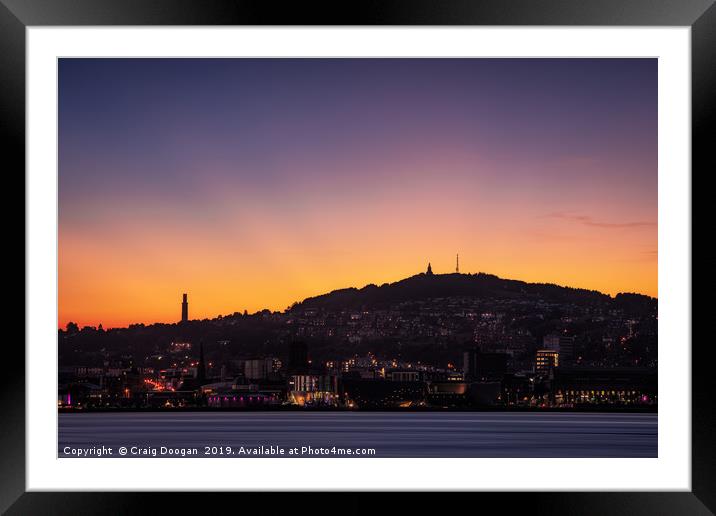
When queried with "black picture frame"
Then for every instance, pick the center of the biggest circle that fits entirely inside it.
(700, 15)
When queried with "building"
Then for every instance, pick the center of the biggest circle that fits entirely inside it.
(618, 385)
(382, 394)
(551, 341)
(484, 393)
(297, 357)
(566, 349)
(491, 366)
(546, 360)
(243, 396)
(563, 344)
(313, 389)
(483, 366)
(184, 309)
(469, 363)
(443, 376)
(447, 393)
(260, 368)
(255, 369)
(404, 375)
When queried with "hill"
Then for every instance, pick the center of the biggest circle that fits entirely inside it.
(486, 286)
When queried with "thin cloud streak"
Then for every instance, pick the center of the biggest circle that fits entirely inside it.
(589, 221)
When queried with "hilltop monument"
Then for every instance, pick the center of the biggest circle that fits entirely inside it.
(184, 309)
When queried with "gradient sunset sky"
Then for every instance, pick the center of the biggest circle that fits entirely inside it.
(254, 183)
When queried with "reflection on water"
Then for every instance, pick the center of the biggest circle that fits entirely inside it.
(430, 434)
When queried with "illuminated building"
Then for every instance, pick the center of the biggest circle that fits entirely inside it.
(313, 389)
(243, 396)
(546, 360)
(447, 393)
(618, 385)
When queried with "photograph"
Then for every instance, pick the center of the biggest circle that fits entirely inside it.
(346, 257)
(429, 249)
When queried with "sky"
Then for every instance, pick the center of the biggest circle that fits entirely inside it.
(254, 183)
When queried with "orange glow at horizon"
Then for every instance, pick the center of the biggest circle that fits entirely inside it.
(135, 271)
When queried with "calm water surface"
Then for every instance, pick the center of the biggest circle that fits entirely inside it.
(428, 434)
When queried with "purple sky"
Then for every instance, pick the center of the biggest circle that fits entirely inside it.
(167, 163)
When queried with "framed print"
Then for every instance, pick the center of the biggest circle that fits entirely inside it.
(418, 248)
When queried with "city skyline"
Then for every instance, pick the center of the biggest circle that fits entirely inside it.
(253, 184)
(186, 314)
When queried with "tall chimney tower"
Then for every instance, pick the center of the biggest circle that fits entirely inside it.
(184, 309)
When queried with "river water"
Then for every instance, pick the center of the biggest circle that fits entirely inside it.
(390, 434)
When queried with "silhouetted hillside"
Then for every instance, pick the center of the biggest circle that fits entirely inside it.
(429, 286)
(432, 325)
